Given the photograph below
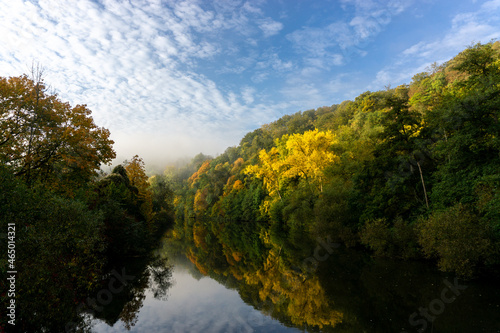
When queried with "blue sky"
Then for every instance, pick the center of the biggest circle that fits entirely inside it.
(174, 78)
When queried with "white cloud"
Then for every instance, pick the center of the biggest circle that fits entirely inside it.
(248, 95)
(271, 60)
(135, 64)
(173, 78)
(491, 5)
(270, 27)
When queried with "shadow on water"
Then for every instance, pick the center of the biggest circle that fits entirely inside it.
(384, 295)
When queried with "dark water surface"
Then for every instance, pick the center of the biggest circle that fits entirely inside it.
(347, 292)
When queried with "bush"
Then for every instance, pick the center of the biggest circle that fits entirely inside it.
(405, 239)
(460, 239)
(376, 235)
(334, 216)
(398, 240)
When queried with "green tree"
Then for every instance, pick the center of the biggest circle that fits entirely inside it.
(59, 254)
(125, 224)
(136, 173)
(469, 116)
(162, 195)
(459, 238)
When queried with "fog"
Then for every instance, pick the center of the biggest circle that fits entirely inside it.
(161, 149)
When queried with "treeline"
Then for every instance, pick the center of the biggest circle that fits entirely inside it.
(70, 218)
(408, 172)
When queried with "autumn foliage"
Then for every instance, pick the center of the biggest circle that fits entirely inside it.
(43, 139)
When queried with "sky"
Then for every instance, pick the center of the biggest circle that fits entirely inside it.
(172, 78)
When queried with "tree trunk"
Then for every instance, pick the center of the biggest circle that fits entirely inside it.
(423, 185)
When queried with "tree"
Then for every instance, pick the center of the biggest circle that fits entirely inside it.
(402, 129)
(460, 239)
(127, 228)
(469, 115)
(162, 195)
(136, 173)
(308, 154)
(269, 170)
(46, 140)
(297, 156)
(59, 254)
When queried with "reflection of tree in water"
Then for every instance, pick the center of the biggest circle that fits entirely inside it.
(347, 292)
(131, 309)
(160, 278)
(271, 286)
(155, 274)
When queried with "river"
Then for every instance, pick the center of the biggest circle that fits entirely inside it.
(345, 291)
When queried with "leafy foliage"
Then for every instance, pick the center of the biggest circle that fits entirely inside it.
(59, 253)
(44, 139)
(459, 238)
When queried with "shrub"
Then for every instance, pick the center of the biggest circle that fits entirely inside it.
(376, 235)
(460, 239)
(398, 240)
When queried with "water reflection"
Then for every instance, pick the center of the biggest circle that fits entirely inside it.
(195, 303)
(126, 287)
(209, 287)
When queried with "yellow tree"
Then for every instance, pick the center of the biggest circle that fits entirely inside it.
(270, 171)
(307, 155)
(195, 177)
(303, 156)
(200, 200)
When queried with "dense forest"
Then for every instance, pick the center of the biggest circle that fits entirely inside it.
(69, 219)
(410, 172)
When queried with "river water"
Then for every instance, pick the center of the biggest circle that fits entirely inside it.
(347, 292)
(197, 305)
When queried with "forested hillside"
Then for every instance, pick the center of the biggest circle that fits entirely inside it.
(407, 172)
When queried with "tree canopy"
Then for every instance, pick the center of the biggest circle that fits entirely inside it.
(44, 139)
